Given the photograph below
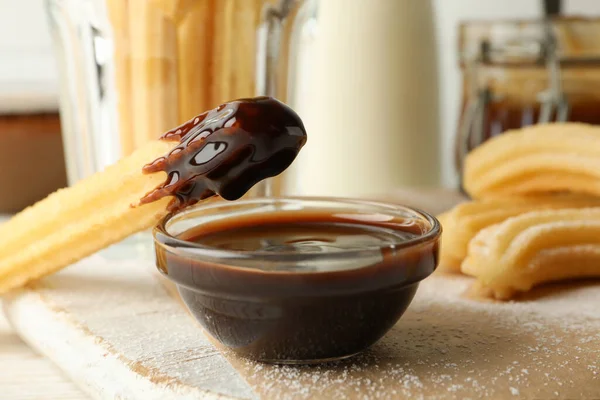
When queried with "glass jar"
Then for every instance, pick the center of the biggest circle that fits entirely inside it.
(519, 73)
(133, 69)
(80, 32)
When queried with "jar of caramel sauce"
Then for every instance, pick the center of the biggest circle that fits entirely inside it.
(519, 73)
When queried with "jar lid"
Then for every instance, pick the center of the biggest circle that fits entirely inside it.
(525, 41)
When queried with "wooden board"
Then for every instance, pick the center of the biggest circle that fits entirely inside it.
(27, 375)
(20, 366)
(112, 326)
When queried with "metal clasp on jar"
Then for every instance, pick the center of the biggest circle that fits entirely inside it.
(553, 104)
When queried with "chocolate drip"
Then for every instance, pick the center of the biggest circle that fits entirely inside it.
(227, 150)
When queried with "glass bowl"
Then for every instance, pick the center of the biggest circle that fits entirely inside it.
(303, 303)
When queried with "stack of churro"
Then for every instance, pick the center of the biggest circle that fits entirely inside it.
(175, 57)
(224, 151)
(535, 213)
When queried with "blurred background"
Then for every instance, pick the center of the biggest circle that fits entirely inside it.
(385, 86)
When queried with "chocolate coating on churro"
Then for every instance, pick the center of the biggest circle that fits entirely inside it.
(227, 150)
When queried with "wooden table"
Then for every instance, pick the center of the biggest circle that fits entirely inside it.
(25, 374)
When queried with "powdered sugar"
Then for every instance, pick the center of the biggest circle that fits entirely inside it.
(450, 346)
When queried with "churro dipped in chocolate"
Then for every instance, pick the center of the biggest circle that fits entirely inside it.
(224, 152)
(227, 150)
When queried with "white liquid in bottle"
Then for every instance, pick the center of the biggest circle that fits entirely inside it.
(366, 89)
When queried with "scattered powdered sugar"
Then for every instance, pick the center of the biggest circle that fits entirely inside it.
(450, 346)
(362, 378)
(577, 304)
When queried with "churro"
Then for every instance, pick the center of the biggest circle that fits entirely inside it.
(118, 14)
(535, 213)
(463, 222)
(534, 248)
(154, 68)
(224, 151)
(175, 57)
(535, 160)
(194, 52)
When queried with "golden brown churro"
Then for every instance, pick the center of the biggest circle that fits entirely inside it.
(463, 222)
(536, 160)
(118, 14)
(534, 248)
(535, 216)
(194, 49)
(154, 67)
(175, 57)
(75, 222)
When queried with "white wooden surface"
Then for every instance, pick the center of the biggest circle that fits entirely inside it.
(115, 330)
(25, 374)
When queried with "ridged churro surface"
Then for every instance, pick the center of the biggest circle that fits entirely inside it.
(75, 222)
(534, 248)
(463, 222)
(535, 213)
(536, 160)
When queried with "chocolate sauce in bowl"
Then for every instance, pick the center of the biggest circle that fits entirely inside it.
(305, 286)
(228, 150)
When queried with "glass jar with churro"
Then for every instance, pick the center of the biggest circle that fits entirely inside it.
(520, 73)
(131, 69)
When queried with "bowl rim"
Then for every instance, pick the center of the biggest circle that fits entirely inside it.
(163, 238)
